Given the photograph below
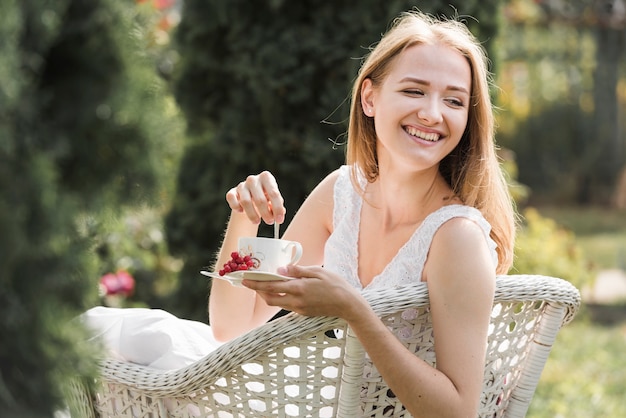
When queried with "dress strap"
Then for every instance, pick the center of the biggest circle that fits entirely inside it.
(435, 220)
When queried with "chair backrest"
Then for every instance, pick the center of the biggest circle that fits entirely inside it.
(295, 367)
(527, 313)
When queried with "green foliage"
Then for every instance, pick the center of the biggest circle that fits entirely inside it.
(551, 155)
(267, 88)
(103, 127)
(543, 247)
(600, 232)
(519, 192)
(585, 375)
(82, 125)
(42, 287)
(560, 75)
(134, 241)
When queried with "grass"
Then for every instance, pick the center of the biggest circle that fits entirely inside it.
(585, 375)
(605, 250)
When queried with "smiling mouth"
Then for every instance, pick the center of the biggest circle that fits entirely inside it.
(426, 136)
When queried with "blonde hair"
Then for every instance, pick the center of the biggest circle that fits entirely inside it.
(471, 169)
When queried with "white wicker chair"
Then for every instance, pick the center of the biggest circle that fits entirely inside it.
(291, 367)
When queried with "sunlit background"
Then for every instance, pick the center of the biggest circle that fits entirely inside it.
(123, 124)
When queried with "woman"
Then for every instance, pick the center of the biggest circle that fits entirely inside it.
(422, 177)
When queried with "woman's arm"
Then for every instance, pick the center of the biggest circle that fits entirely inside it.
(461, 283)
(234, 310)
(313, 222)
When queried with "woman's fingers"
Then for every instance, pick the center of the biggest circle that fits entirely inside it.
(232, 198)
(285, 294)
(266, 197)
(259, 197)
(314, 292)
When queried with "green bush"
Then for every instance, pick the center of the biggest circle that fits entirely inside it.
(134, 241)
(84, 127)
(543, 247)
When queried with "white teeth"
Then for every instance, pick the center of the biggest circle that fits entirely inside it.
(432, 137)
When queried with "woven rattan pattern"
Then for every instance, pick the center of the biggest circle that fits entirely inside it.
(290, 367)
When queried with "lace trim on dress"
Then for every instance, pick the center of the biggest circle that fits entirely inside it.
(341, 251)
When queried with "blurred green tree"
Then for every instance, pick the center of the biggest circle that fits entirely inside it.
(562, 77)
(266, 87)
(82, 128)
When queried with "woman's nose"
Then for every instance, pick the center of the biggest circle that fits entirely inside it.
(430, 112)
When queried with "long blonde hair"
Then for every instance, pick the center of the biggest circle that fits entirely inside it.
(471, 169)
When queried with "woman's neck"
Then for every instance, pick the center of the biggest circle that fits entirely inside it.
(407, 198)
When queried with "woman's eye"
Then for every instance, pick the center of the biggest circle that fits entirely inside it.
(414, 92)
(456, 102)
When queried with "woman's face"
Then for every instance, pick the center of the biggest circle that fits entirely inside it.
(421, 109)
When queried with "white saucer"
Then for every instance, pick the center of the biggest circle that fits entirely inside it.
(237, 277)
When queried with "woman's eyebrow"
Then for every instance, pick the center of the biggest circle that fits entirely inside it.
(427, 83)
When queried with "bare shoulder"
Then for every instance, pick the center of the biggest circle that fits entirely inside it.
(459, 249)
(321, 199)
(320, 202)
(313, 222)
(460, 232)
(326, 187)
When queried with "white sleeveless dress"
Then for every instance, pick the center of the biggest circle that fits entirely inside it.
(155, 338)
(341, 251)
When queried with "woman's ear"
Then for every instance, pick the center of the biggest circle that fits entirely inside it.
(367, 97)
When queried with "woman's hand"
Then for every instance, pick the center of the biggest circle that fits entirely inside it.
(316, 292)
(259, 198)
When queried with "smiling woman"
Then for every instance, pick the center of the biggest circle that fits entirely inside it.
(421, 177)
(427, 99)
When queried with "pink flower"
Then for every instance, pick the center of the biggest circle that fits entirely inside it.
(119, 283)
(163, 4)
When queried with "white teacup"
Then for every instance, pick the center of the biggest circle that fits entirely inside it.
(271, 253)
